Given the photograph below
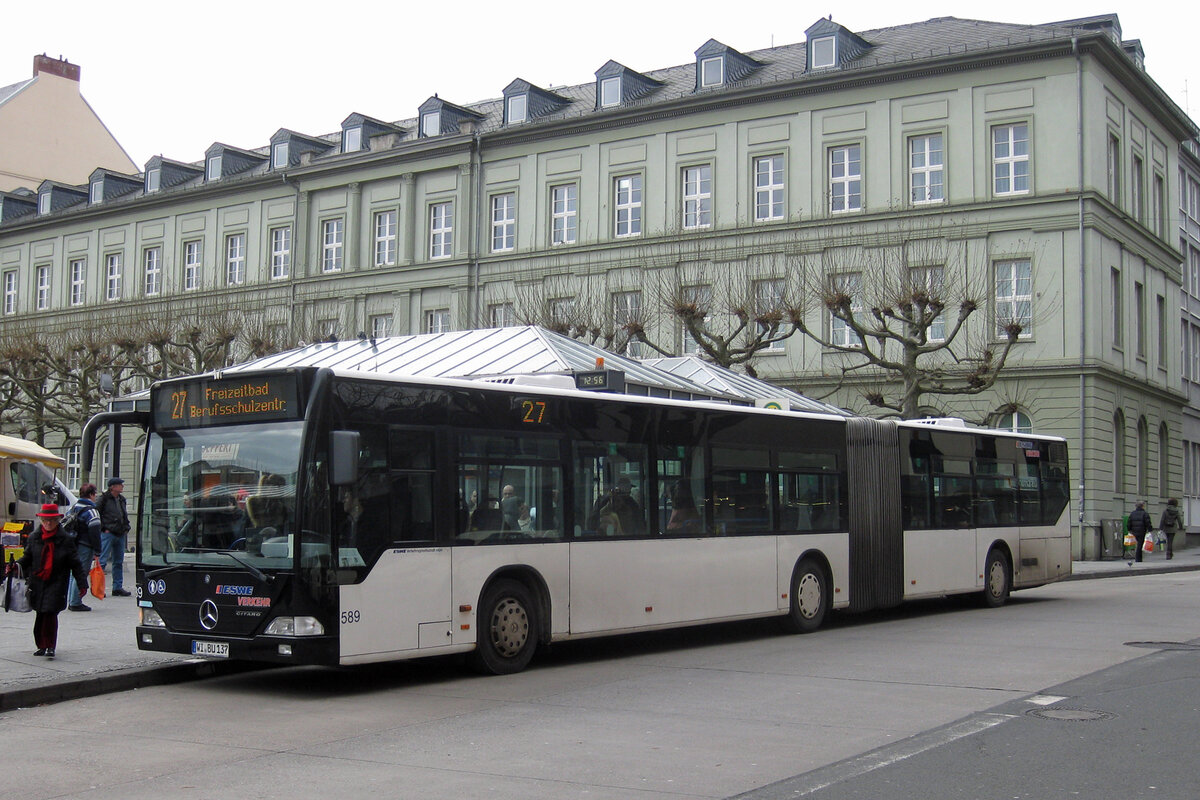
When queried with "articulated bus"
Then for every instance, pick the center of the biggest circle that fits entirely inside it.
(318, 516)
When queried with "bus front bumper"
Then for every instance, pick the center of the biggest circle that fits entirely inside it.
(270, 649)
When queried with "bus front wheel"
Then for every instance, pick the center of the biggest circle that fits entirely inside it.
(507, 629)
(809, 598)
(997, 579)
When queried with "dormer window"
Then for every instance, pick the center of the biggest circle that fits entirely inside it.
(518, 108)
(279, 155)
(824, 52)
(431, 124)
(153, 180)
(352, 140)
(610, 92)
(44, 203)
(212, 170)
(712, 72)
(97, 193)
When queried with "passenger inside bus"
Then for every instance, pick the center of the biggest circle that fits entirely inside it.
(617, 513)
(684, 518)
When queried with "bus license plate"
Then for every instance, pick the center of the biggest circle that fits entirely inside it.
(210, 649)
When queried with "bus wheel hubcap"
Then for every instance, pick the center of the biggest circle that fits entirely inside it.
(510, 627)
(808, 595)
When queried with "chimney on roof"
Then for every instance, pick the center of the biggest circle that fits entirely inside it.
(55, 66)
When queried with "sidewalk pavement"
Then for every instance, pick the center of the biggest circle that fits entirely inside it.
(97, 651)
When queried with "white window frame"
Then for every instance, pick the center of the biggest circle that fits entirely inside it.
(564, 213)
(235, 259)
(768, 295)
(281, 252)
(10, 291)
(701, 296)
(932, 280)
(437, 320)
(112, 280)
(385, 237)
(504, 222)
(78, 267)
(824, 52)
(42, 301)
(627, 306)
(769, 188)
(1014, 295)
(441, 230)
(840, 332)
(708, 80)
(627, 205)
(332, 243)
(192, 254)
(279, 155)
(845, 179)
(152, 271)
(352, 139)
(927, 169)
(1012, 172)
(431, 124)
(1015, 421)
(153, 180)
(610, 92)
(381, 326)
(517, 109)
(212, 168)
(697, 190)
(97, 192)
(44, 203)
(502, 315)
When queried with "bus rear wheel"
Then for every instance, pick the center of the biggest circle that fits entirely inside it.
(809, 598)
(507, 629)
(997, 579)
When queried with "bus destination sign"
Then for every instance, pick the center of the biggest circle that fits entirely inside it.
(206, 402)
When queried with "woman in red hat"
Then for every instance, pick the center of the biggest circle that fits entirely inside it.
(49, 561)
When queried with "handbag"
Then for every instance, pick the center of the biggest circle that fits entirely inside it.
(96, 579)
(16, 591)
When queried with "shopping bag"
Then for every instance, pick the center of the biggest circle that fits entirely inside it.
(1148, 543)
(96, 579)
(16, 591)
(1160, 538)
(1130, 541)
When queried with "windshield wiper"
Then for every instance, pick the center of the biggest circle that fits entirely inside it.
(253, 570)
(163, 570)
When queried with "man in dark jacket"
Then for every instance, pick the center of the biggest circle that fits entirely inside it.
(1139, 525)
(114, 528)
(49, 559)
(87, 539)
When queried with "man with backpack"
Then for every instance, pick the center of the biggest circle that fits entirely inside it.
(114, 525)
(83, 522)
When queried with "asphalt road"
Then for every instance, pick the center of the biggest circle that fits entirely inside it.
(1047, 697)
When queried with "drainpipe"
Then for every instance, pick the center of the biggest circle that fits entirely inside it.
(1083, 285)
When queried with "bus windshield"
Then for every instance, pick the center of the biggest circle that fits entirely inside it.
(220, 495)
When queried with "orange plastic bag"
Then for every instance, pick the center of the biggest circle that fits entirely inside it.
(96, 579)
(1148, 543)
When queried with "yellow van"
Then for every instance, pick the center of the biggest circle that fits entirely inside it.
(27, 480)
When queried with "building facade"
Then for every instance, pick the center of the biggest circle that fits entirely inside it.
(1034, 165)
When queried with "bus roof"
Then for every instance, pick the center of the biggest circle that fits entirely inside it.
(12, 447)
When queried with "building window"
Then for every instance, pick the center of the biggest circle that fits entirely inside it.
(44, 203)
(563, 213)
(1114, 168)
(191, 265)
(431, 123)
(627, 312)
(627, 205)
(1137, 188)
(97, 193)
(1118, 440)
(504, 222)
(152, 271)
(1014, 296)
(518, 106)
(928, 281)
(43, 288)
(437, 321)
(768, 188)
(235, 259)
(279, 155)
(441, 230)
(331, 245)
(1161, 308)
(212, 170)
(10, 291)
(697, 299)
(1164, 460)
(840, 332)
(1143, 457)
(697, 197)
(381, 326)
(824, 52)
(845, 179)
(113, 277)
(153, 180)
(385, 239)
(768, 306)
(610, 92)
(352, 140)
(1139, 319)
(1160, 206)
(1015, 421)
(78, 281)
(712, 72)
(1010, 159)
(502, 315)
(73, 466)
(925, 164)
(281, 252)
(1118, 309)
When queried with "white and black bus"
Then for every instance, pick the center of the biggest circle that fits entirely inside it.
(317, 516)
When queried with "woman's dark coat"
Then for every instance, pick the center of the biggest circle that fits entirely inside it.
(50, 597)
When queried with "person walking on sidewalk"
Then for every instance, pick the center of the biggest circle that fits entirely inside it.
(87, 539)
(1170, 523)
(114, 527)
(1140, 524)
(50, 558)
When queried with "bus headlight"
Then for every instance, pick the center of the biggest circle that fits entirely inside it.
(295, 626)
(150, 618)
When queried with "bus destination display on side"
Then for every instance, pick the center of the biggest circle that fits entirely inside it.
(198, 404)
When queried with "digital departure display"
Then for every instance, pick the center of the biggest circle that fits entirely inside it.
(207, 402)
(532, 411)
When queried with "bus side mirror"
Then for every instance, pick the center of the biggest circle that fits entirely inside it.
(343, 457)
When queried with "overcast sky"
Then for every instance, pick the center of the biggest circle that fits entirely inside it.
(172, 78)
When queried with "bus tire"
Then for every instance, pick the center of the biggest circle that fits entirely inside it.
(507, 629)
(809, 598)
(997, 579)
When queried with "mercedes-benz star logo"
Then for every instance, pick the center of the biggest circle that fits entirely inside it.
(208, 615)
